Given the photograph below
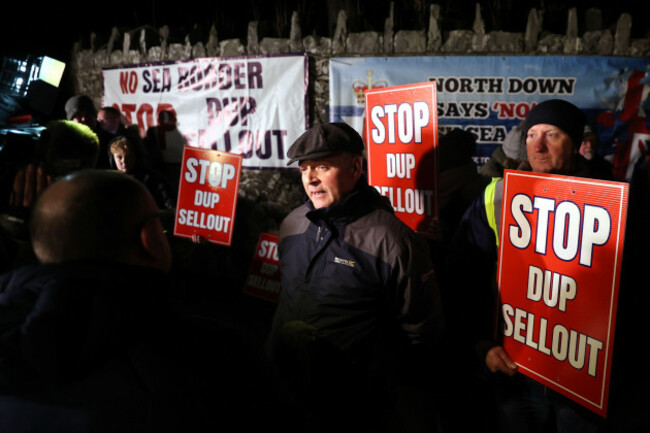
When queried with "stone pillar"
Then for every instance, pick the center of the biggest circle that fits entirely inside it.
(111, 40)
(388, 30)
(533, 28)
(253, 40)
(434, 36)
(143, 43)
(212, 47)
(622, 36)
(340, 34)
(126, 46)
(295, 36)
(572, 43)
(479, 30)
(164, 35)
(593, 20)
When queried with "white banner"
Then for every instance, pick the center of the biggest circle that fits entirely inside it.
(255, 106)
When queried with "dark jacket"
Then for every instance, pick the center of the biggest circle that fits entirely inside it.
(159, 187)
(473, 257)
(358, 309)
(357, 274)
(102, 348)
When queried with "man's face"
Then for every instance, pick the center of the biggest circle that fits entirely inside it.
(588, 146)
(550, 149)
(108, 121)
(85, 117)
(123, 161)
(328, 180)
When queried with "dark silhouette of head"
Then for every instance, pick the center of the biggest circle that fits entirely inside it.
(68, 146)
(99, 215)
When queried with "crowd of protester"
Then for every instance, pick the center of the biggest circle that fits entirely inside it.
(378, 329)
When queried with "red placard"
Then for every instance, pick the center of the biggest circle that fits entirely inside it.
(402, 143)
(207, 195)
(263, 280)
(561, 245)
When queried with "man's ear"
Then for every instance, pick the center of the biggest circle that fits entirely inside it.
(357, 167)
(155, 245)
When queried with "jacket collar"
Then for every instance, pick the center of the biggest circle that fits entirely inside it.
(362, 200)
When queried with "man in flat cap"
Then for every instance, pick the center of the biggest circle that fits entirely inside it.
(358, 289)
(553, 133)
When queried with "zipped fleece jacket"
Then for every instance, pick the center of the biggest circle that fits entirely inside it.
(358, 275)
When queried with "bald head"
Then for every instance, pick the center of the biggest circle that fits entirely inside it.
(98, 215)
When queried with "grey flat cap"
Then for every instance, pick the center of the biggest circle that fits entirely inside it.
(324, 140)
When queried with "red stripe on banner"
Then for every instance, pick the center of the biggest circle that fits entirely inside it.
(636, 124)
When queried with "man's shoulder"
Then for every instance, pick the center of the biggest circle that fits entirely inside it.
(382, 220)
(295, 222)
(381, 233)
(492, 192)
(26, 276)
(83, 274)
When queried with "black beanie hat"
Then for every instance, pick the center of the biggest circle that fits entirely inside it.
(560, 113)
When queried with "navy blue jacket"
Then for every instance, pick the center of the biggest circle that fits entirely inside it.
(358, 275)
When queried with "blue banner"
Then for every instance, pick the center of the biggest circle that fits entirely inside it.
(490, 95)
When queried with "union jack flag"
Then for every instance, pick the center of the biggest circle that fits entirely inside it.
(626, 122)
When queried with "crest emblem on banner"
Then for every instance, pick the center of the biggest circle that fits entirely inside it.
(360, 87)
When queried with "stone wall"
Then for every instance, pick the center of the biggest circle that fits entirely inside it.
(267, 195)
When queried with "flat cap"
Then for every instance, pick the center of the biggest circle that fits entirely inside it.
(324, 140)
